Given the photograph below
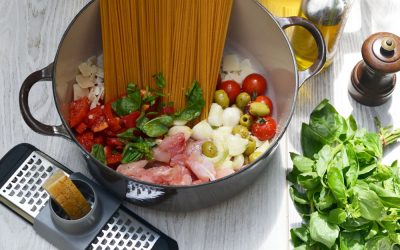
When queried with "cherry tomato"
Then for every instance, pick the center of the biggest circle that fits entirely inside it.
(81, 128)
(78, 111)
(265, 99)
(231, 88)
(264, 128)
(99, 139)
(114, 159)
(255, 85)
(115, 143)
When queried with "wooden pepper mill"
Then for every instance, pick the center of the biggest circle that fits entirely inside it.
(374, 78)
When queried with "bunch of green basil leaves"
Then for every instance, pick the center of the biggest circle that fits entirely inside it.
(347, 197)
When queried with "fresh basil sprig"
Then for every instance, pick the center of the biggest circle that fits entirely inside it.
(98, 153)
(195, 104)
(130, 103)
(347, 197)
(137, 150)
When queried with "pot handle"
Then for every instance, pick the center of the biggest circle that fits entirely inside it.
(44, 74)
(286, 22)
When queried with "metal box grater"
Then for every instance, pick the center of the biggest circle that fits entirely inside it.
(24, 169)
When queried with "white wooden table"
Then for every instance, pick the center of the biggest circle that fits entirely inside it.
(259, 217)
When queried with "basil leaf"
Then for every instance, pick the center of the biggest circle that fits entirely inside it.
(160, 80)
(301, 163)
(322, 231)
(300, 201)
(371, 207)
(98, 153)
(299, 235)
(308, 180)
(127, 134)
(337, 216)
(353, 167)
(137, 151)
(387, 197)
(351, 241)
(128, 104)
(195, 104)
(336, 184)
(378, 243)
(324, 199)
(311, 142)
(374, 231)
(157, 126)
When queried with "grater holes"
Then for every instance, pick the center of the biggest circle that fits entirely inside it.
(139, 230)
(118, 235)
(138, 244)
(31, 201)
(36, 195)
(128, 222)
(20, 173)
(146, 245)
(31, 180)
(44, 175)
(14, 180)
(11, 193)
(129, 244)
(33, 209)
(22, 201)
(143, 237)
(23, 180)
(38, 182)
(41, 169)
(29, 162)
(126, 236)
(20, 194)
(109, 235)
(135, 236)
(104, 242)
(33, 188)
(44, 195)
(38, 162)
(27, 174)
(123, 228)
(49, 169)
(151, 238)
(36, 175)
(119, 222)
(39, 202)
(112, 242)
(107, 248)
(114, 228)
(33, 168)
(98, 248)
(25, 187)
(121, 243)
(16, 187)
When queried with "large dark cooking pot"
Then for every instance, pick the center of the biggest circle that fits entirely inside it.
(253, 31)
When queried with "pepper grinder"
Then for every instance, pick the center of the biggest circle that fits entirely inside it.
(373, 79)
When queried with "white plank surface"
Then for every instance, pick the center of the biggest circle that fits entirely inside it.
(257, 218)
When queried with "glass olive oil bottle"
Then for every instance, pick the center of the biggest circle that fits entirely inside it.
(329, 16)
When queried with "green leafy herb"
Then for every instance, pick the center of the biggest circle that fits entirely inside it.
(127, 134)
(98, 153)
(195, 104)
(348, 198)
(130, 103)
(160, 80)
(155, 127)
(137, 151)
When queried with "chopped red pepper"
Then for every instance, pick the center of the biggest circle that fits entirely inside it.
(86, 140)
(113, 121)
(114, 159)
(168, 110)
(78, 111)
(99, 139)
(81, 128)
(115, 143)
(130, 120)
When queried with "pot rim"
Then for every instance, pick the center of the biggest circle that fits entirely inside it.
(252, 165)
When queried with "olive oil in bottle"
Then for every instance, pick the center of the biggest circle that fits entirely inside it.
(282, 8)
(329, 16)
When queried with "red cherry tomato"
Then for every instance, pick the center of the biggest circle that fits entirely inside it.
(232, 89)
(255, 85)
(264, 128)
(265, 99)
(130, 120)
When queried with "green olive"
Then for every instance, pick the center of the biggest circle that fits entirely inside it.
(221, 97)
(209, 149)
(254, 156)
(259, 109)
(240, 130)
(246, 120)
(242, 100)
(251, 146)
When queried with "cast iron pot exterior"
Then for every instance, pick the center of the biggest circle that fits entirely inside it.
(253, 31)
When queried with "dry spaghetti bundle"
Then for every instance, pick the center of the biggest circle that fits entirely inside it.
(183, 39)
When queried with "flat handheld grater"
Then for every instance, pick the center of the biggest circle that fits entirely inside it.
(108, 225)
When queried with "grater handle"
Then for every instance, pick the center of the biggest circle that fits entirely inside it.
(45, 74)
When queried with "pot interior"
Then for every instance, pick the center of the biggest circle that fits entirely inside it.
(253, 34)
